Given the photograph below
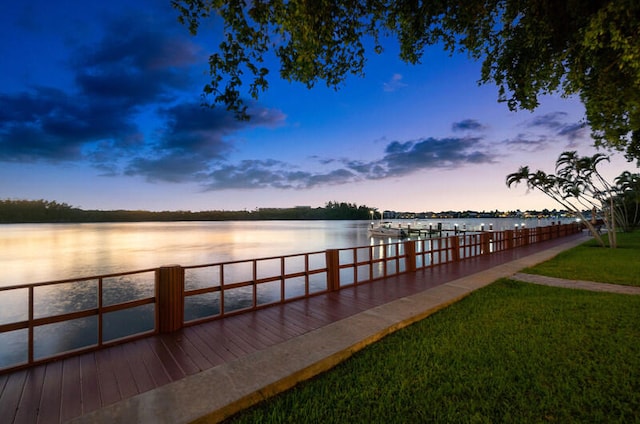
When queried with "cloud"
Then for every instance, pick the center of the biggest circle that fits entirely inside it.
(136, 72)
(528, 143)
(574, 132)
(405, 158)
(173, 167)
(398, 159)
(195, 139)
(137, 67)
(48, 124)
(467, 125)
(115, 79)
(555, 122)
(394, 84)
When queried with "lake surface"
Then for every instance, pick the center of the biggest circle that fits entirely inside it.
(32, 253)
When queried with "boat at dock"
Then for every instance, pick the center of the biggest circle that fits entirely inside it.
(386, 229)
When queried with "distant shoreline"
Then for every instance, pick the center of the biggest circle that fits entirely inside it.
(48, 212)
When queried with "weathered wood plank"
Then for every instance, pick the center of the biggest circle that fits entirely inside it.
(154, 365)
(50, 401)
(168, 361)
(124, 377)
(184, 361)
(71, 393)
(29, 403)
(107, 380)
(288, 328)
(262, 327)
(139, 371)
(241, 331)
(207, 352)
(307, 314)
(226, 346)
(89, 381)
(288, 316)
(11, 394)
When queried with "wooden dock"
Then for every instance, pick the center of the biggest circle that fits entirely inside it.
(62, 390)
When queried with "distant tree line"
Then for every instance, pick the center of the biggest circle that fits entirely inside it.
(35, 211)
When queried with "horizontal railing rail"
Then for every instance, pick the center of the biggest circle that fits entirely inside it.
(130, 305)
(92, 313)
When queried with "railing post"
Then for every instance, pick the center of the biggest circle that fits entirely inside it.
(410, 255)
(508, 235)
(485, 243)
(455, 248)
(333, 269)
(169, 298)
(525, 236)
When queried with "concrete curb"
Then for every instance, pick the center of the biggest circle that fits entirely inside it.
(215, 394)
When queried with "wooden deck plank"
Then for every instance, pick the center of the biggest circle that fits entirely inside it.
(154, 365)
(71, 393)
(29, 403)
(199, 352)
(12, 394)
(107, 380)
(166, 358)
(225, 345)
(286, 314)
(139, 371)
(183, 341)
(221, 346)
(262, 327)
(279, 323)
(197, 339)
(89, 381)
(184, 361)
(243, 331)
(124, 377)
(49, 411)
(326, 308)
(3, 382)
(305, 311)
(298, 314)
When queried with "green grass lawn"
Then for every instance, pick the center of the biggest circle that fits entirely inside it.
(592, 263)
(511, 352)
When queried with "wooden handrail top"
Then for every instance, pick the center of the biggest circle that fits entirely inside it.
(74, 280)
(266, 258)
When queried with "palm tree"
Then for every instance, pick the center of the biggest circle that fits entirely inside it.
(628, 192)
(578, 186)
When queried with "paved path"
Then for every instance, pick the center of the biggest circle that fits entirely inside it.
(214, 394)
(575, 284)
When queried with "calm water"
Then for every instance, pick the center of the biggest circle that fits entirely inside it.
(44, 252)
(31, 253)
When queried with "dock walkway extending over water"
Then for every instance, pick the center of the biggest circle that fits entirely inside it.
(211, 370)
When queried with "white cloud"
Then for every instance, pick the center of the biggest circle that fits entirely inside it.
(395, 83)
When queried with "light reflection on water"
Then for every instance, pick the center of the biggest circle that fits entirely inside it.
(33, 253)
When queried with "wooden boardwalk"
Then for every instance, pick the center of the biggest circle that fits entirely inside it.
(65, 389)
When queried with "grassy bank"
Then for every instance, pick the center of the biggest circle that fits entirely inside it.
(593, 263)
(511, 352)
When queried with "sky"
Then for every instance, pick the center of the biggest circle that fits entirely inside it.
(101, 108)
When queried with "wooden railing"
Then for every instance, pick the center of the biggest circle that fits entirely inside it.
(44, 308)
(171, 297)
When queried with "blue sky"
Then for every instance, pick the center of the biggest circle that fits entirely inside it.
(100, 108)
